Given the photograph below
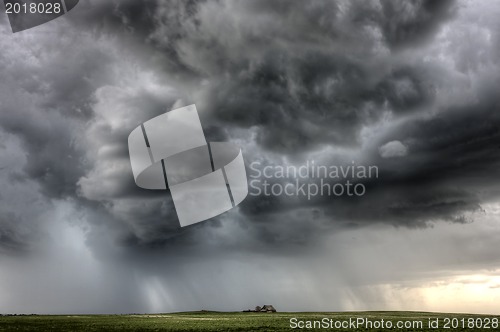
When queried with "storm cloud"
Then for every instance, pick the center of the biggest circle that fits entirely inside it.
(407, 86)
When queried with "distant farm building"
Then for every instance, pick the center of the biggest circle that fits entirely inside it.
(267, 308)
(264, 308)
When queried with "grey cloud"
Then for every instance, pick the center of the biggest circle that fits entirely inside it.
(408, 23)
(298, 94)
(285, 80)
(393, 149)
(11, 239)
(319, 81)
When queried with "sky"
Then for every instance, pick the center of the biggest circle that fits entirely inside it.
(410, 87)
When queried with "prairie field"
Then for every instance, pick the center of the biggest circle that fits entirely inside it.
(249, 321)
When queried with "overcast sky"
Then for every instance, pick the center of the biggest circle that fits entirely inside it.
(408, 86)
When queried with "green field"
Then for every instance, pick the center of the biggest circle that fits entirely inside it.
(222, 321)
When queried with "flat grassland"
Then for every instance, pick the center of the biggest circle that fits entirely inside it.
(238, 321)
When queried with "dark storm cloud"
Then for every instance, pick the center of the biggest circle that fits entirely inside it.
(133, 17)
(10, 239)
(451, 167)
(408, 23)
(46, 104)
(300, 97)
(136, 23)
(301, 76)
(304, 74)
(335, 69)
(408, 86)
